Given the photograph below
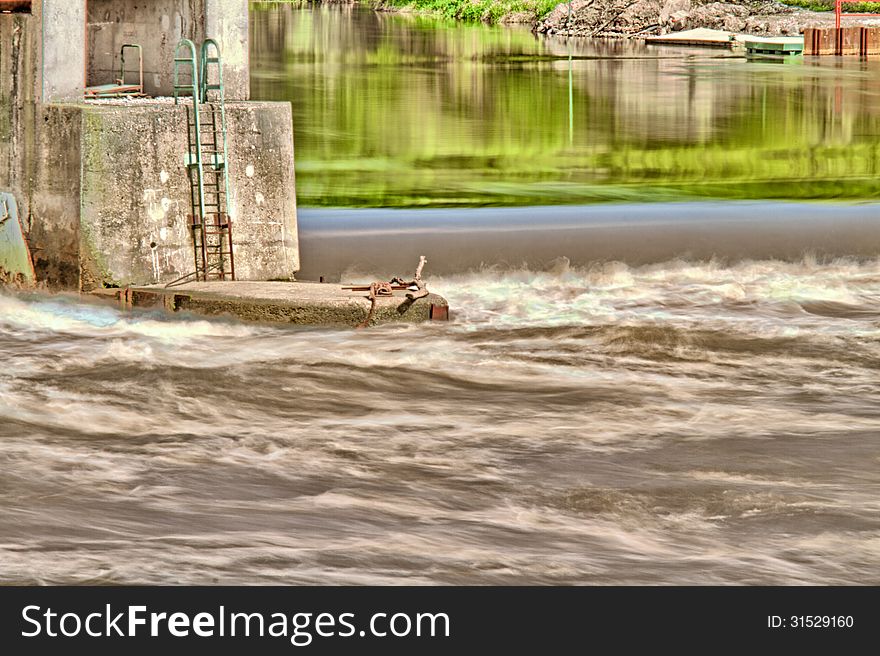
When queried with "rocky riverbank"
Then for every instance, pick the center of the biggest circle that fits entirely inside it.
(627, 18)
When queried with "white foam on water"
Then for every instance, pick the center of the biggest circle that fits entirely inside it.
(616, 292)
(71, 316)
(711, 418)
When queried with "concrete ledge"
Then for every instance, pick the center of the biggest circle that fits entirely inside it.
(302, 303)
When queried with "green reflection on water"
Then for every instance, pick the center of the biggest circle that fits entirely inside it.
(393, 110)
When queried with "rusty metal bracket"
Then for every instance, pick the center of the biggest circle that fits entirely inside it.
(381, 289)
(416, 288)
(439, 312)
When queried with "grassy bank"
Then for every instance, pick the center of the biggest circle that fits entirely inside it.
(494, 10)
(828, 5)
(420, 114)
(490, 11)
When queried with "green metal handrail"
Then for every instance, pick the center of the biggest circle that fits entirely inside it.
(179, 61)
(189, 49)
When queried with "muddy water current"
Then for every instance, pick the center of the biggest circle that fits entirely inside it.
(672, 423)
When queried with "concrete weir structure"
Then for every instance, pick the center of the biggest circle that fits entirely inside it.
(101, 186)
(103, 195)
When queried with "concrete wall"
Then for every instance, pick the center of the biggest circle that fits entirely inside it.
(44, 61)
(96, 185)
(19, 57)
(135, 193)
(52, 194)
(37, 62)
(104, 193)
(226, 21)
(63, 58)
(20, 83)
(19, 88)
(156, 25)
(39, 143)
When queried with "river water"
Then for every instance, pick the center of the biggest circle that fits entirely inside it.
(690, 421)
(402, 111)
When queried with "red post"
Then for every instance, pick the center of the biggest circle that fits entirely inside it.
(837, 9)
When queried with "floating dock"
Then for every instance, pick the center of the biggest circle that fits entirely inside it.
(781, 45)
(854, 41)
(301, 303)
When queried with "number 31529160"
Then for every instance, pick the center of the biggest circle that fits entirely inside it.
(810, 622)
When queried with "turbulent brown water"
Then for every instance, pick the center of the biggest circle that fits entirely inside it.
(692, 421)
(674, 423)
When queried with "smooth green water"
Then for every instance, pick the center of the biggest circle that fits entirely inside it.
(394, 110)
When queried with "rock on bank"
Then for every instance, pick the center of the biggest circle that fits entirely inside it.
(626, 18)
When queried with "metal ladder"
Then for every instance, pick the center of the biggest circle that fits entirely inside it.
(206, 158)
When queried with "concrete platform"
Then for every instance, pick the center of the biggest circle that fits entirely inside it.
(698, 37)
(302, 303)
(721, 39)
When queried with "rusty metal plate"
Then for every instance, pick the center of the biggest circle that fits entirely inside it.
(439, 312)
(849, 40)
(870, 41)
(16, 265)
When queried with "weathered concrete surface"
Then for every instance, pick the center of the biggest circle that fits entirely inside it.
(51, 54)
(19, 89)
(136, 198)
(39, 144)
(104, 194)
(698, 37)
(63, 63)
(102, 190)
(285, 302)
(53, 195)
(37, 60)
(157, 26)
(226, 21)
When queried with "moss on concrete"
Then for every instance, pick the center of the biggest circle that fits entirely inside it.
(307, 304)
(347, 315)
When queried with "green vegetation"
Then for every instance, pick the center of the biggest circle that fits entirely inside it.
(828, 5)
(488, 11)
(485, 11)
(396, 110)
